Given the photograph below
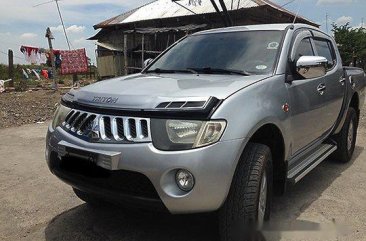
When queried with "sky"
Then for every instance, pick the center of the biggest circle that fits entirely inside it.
(23, 24)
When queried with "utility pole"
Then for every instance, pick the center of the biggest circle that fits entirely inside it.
(11, 67)
(49, 36)
(326, 22)
(362, 19)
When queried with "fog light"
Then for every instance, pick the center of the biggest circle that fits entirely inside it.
(185, 180)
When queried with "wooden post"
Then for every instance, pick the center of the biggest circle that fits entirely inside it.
(167, 42)
(142, 50)
(49, 36)
(11, 67)
(125, 53)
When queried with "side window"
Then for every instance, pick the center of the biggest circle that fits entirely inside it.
(304, 49)
(325, 49)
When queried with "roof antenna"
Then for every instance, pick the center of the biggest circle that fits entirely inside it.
(297, 13)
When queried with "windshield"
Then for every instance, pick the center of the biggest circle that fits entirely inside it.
(247, 53)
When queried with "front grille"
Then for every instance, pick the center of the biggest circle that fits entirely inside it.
(106, 128)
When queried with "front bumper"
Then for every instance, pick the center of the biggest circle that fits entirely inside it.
(213, 168)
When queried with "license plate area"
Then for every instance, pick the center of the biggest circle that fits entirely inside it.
(105, 159)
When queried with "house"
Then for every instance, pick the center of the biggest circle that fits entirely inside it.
(126, 40)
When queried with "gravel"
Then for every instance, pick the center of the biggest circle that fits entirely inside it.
(19, 108)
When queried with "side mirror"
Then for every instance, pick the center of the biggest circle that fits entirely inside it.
(147, 62)
(311, 66)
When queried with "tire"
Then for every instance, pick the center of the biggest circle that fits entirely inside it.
(346, 146)
(240, 216)
(90, 199)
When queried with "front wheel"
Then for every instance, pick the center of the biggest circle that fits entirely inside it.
(248, 204)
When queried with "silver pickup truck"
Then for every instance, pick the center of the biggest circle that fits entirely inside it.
(220, 121)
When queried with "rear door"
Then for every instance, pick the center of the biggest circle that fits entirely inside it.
(333, 80)
(307, 104)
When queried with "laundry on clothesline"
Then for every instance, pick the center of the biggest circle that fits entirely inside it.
(69, 61)
(44, 73)
(35, 55)
(74, 61)
(28, 73)
(36, 74)
(25, 74)
(30, 53)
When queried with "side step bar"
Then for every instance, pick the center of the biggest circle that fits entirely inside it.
(296, 173)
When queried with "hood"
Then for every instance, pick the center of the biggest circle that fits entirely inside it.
(146, 91)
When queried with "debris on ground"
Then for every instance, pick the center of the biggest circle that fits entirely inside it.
(2, 85)
(19, 108)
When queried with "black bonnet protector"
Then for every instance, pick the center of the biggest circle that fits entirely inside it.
(203, 112)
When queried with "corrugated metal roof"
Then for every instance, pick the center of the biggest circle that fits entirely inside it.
(160, 9)
(167, 8)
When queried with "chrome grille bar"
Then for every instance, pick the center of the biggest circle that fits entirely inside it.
(107, 128)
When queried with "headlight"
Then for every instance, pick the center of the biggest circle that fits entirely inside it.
(185, 134)
(60, 115)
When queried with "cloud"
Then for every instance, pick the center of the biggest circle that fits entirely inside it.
(343, 20)
(28, 35)
(5, 34)
(324, 2)
(75, 29)
(72, 29)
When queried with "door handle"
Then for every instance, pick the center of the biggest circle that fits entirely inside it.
(341, 80)
(321, 88)
(352, 82)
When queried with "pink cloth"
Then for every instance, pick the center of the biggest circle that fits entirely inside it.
(74, 61)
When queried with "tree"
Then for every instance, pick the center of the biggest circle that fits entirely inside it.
(351, 44)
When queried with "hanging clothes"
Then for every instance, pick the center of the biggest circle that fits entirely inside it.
(25, 74)
(57, 56)
(36, 74)
(44, 73)
(30, 54)
(74, 61)
(42, 55)
(50, 74)
(58, 60)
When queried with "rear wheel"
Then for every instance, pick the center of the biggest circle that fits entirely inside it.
(248, 204)
(346, 139)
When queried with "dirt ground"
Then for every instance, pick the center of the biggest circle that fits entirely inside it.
(19, 108)
(35, 205)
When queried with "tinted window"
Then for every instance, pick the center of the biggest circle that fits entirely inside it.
(254, 52)
(304, 49)
(324, 49)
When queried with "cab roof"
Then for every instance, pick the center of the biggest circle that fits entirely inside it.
(257, 27)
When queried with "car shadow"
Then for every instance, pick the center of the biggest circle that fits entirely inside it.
(111, 223)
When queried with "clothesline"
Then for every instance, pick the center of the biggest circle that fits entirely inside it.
(13, 55)
(68, 61)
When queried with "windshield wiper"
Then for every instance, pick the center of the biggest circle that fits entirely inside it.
(160, 71)
(209, 70)
(171, 71)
